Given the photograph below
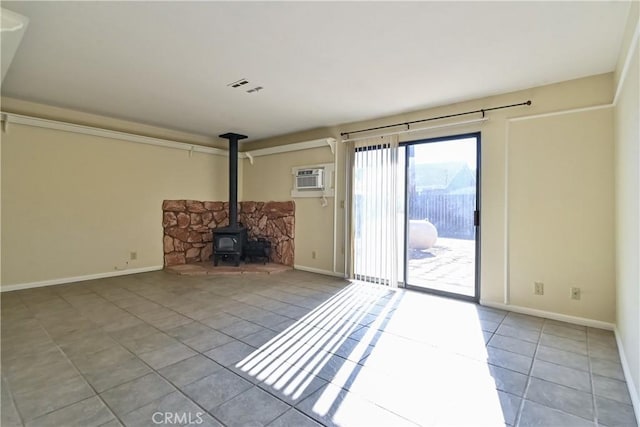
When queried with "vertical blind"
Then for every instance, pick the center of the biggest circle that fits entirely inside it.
(377, 203)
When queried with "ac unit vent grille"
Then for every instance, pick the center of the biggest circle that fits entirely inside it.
(310, 179)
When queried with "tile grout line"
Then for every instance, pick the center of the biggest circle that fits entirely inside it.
(116, 416)
(77, 371)
(165, 332)
(129, 351)
(153, 370)
(137, 292)
(126, 382)
(548, 361)
(528, 383)
(15, 405)
(34, 317)
(199, 353)
(372, 301)
(146, 289)
(591, 381)
(6, 380)
(196, 403)
(589, 372)
(520, 406)
(341, 387)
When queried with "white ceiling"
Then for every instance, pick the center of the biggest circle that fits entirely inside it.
(320, 63)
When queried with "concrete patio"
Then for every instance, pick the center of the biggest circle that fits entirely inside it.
(448, 266)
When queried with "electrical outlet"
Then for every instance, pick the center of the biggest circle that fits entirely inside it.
(133, 256)
(538, 288)
(575, 293)
(313, 254)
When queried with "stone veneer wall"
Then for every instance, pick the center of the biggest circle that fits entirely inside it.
(188, 226)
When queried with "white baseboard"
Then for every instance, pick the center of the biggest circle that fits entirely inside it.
(551, 315)
(64, 280)
(319, 271)
(633, 392)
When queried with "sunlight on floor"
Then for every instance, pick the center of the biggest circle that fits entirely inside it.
(304, 348)
(416, 355)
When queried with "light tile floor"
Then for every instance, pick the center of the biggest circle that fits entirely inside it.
(294, 349)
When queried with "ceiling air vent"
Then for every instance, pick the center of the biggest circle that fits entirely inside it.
(238, 83)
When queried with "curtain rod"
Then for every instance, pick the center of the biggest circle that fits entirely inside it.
(445, 125)
(408, 124)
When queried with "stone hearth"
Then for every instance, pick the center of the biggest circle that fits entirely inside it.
(188, 226)
(208, 269)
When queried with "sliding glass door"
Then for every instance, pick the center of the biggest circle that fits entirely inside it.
(442, 214)
(417, 209)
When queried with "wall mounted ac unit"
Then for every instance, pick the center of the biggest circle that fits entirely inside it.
(310, 179)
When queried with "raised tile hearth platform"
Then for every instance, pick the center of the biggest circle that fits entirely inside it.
(207, 268)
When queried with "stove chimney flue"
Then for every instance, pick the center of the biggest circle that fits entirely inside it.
(233, 176)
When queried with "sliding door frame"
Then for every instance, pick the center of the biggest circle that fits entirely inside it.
(477, 215)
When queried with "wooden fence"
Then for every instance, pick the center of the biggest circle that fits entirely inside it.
(452, 214)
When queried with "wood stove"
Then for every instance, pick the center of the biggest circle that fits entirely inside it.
(229, 242)
(229, 245)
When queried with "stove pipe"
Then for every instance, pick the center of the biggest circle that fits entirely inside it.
(233, 176)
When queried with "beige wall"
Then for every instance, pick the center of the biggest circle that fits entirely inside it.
(75, 205)
(499, 133)
(560, 199)
(139, 177)
(270, 178)
(627, 177)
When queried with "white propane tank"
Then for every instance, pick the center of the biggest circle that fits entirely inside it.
(422, 234)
